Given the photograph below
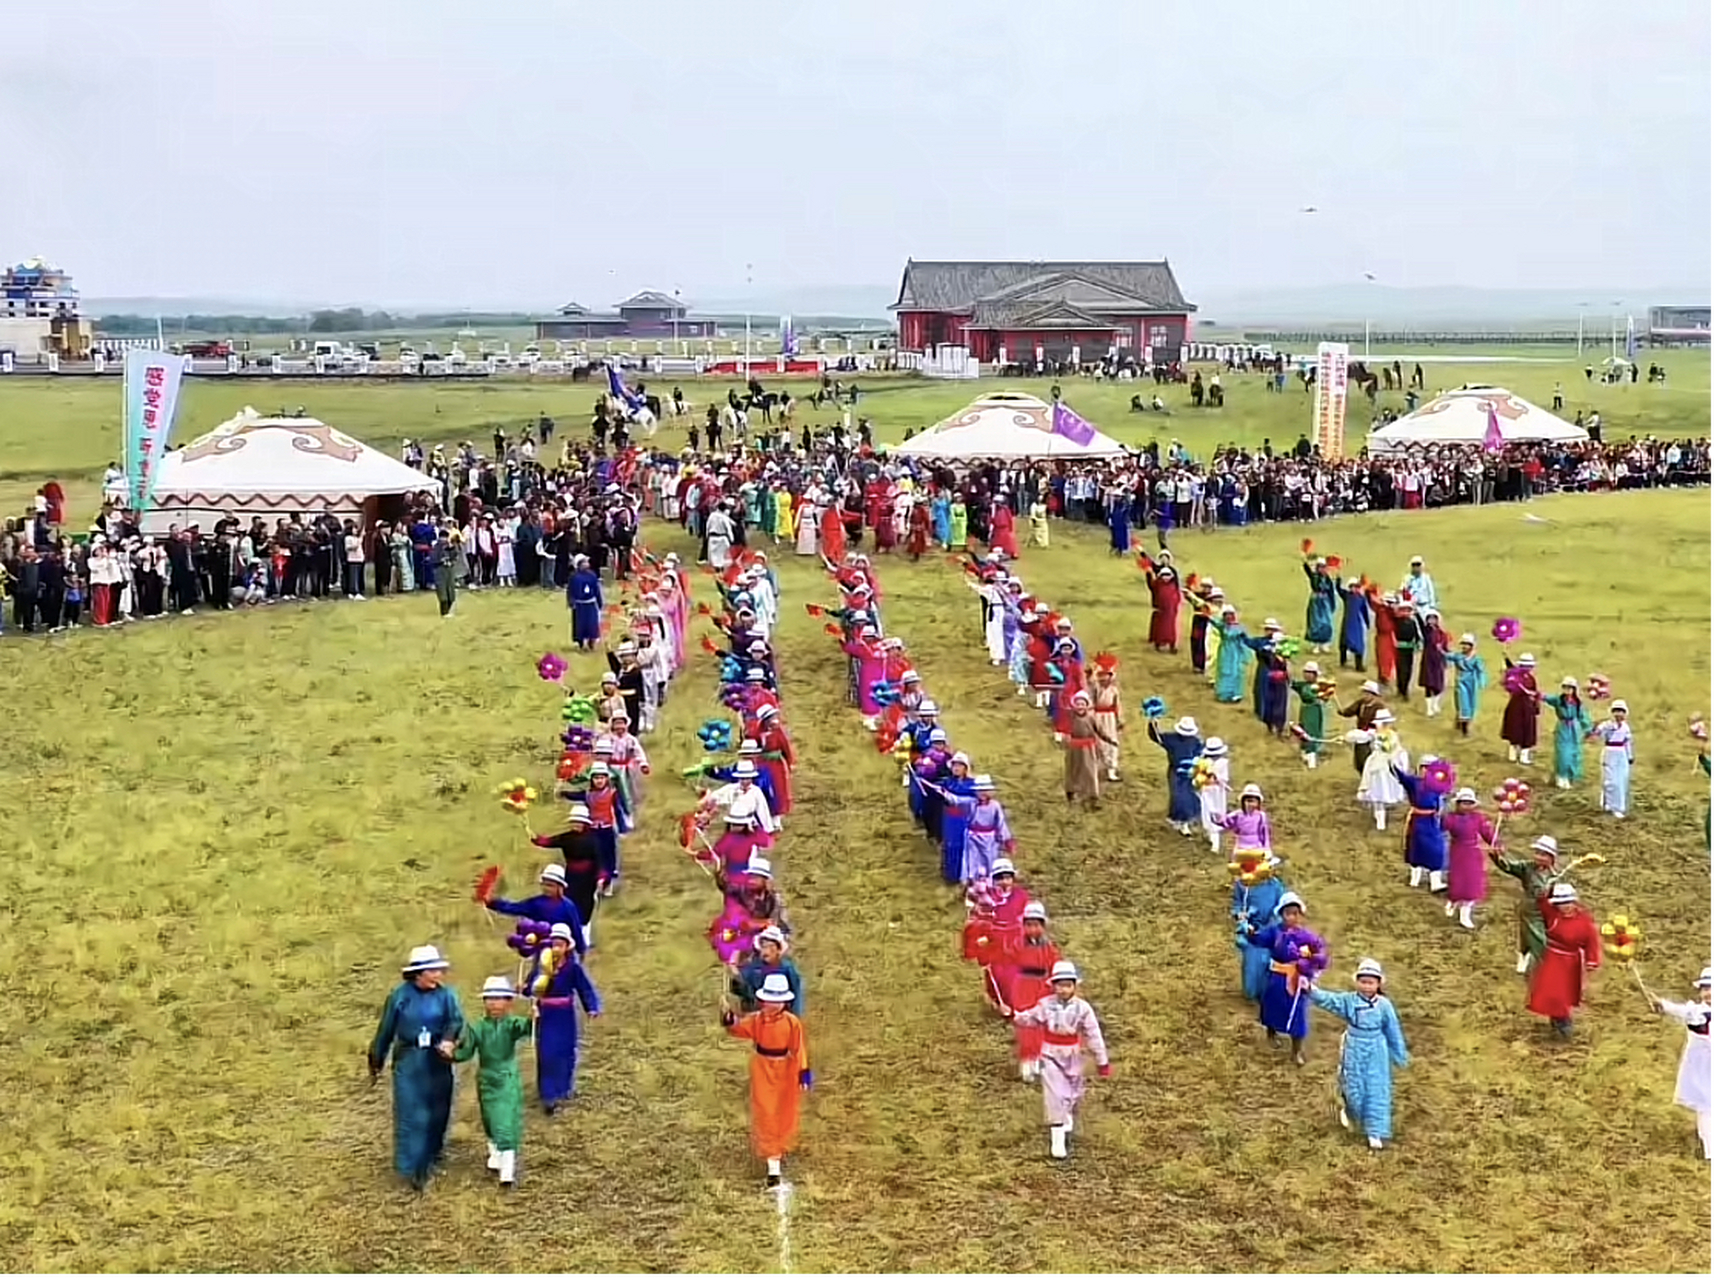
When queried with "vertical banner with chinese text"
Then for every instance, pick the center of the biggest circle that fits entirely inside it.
(1331, 361)
(152, 381)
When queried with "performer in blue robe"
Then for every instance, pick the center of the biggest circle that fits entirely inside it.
(1425, 838)
(550, 906)
(1353, 624)
(1182, 744)
(583, 596)
(941, 511)
(1472, 679)
(1119, 523)
(1230, 662)
(1261, 646)
(1318, 617)
(420, 1019)
(1255, 906)
(1295, 957)
(422, 562)
(954, 822)
(1373, 1044)
(556, 1019)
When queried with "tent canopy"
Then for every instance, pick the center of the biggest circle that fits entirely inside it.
(273, 467)
(1004, 424)
(1461, 417)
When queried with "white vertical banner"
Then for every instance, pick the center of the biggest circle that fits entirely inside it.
(1332, 360)
(152, 380)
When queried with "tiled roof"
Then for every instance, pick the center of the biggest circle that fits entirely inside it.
(1034, 315)
(1112, 287)
(651, 298)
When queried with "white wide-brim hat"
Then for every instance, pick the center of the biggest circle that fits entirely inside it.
(1064, 971)
(425, 959)
(1002, 867)
(498, 988)
(776, 989)
(1562, 893)
(553, 873)
(1214, 747)
(1367, 968)
(1186, 726)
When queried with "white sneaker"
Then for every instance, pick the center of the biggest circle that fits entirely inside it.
(1465, 919)
(1069, 1125)
(493, 1156)
(1524, 962)
(1344, 1118)
(1451, 907)
(1375, 1144)
(1113, 776)
(1056, 1142)
(508, 1168)
(1416, 877)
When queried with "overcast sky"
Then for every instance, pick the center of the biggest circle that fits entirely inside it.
(439, 152)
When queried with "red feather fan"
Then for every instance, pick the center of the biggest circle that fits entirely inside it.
(833, 630)
(486, 883)
(703, 609)
(1106, 662)
(709, 645)
(1309, 546)
(815, 610)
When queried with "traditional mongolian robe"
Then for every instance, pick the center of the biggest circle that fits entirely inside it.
(557, 1028)
(1692, 1089)
(1082, 771)
(1181, 751)
(871, 662)
(1469, 836)
(1251, 831)
(1536, 882)
(1030, 963)
(494, 1042)
(1068, 1027)
(1233, 657)
(779, 1070)
(1467, 689)
(1425, 840)
(1618, 751)
(958, 803)
(1165, 596)
(1353, 626)
(1372, 1045)
(1255, 906)
(1311, 716)
(1571, 725)
(1523, 705)
(1573, 945)
(583, 595)
(413, 1024)
(1318, 617)
(987, 836)
(1432, 675)
(1295, 956)
(1107, 705)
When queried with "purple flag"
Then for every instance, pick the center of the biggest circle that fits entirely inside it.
(1066, 423)
(1493, 440)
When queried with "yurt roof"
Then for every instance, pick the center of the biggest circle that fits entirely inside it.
(1004, 424)
(1461, 417)
(279, 463)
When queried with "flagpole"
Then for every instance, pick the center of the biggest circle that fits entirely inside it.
(749, 282)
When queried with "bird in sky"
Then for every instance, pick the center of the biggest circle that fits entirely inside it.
(1368, 275)
(1309, 208)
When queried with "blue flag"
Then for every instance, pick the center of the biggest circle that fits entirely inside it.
(1068, 424)
(617, 390)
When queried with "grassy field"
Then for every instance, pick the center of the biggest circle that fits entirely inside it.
(227, 831)
(69, 430)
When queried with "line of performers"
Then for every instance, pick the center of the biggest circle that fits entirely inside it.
(423, 1030)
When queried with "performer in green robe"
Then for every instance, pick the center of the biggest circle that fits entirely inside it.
(1537, 876)
(420, 1026)
(494, 1042)
(1234, 657)
(960, 523)
(1311, 713)
(1571, 726)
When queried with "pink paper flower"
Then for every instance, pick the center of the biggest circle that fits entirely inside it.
(1506, 630)
(551, 667)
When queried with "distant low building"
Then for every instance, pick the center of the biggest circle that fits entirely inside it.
(1021, 308)
(37, 302)
(649, 314)
(1678, 326)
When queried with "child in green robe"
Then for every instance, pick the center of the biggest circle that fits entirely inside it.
(494, 1040)
(1312, 713)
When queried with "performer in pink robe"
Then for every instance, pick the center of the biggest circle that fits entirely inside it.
(871, 659)
(1469, 838)
(1004, 533)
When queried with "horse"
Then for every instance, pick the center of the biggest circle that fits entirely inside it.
(580, 373)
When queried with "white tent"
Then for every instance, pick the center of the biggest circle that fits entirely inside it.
(1004, 424)
(274, 467)
(1461, 417)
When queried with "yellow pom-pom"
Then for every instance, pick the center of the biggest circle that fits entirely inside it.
(1234, 867)
(1607, 931)
(1620, 922)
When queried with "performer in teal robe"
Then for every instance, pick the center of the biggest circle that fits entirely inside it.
(1472, 679)
(420, 1027)
(1229, 667)
(1323, 593)
(1571, 725)
(1373, 1044)
(1255, 906)
(941, 511)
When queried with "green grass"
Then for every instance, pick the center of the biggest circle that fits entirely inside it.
(226, 832)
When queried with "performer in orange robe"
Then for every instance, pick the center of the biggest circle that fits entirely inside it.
(779, 1070)
(833, 534)
(1573, 947)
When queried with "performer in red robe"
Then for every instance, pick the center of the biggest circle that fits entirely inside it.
(1031, 957)
(775, 741)
(1166, 594)
(833, 534)
(1573, 948)
(1002, 533)
(922, 529)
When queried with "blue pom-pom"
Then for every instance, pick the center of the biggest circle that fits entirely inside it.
(1154, 708)
(1055, 673)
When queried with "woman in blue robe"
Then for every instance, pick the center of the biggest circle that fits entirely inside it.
(1255, 906)
(1262, 646)
(1182, 745)
(1354, 624)
(1295, 957)
(420, 1027)
(1472, 679)
(941, 510)
(1119, 524)
(1373, 1044)
(583, 595)
(1231, 660)
(1318, 617)
(955, 820)
(1425, 838)
(557, 995)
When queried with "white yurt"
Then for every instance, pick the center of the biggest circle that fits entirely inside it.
(1461, 417)
(1004, 424)
(274, 467)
